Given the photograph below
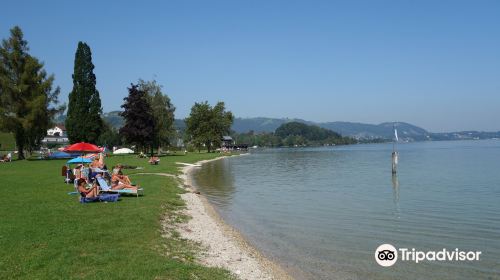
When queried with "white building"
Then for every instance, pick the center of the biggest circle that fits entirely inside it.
(58, 130)
(56, 135)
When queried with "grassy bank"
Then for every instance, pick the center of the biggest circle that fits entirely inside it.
(46, 234)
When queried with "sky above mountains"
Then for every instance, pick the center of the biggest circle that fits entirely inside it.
(435, 64)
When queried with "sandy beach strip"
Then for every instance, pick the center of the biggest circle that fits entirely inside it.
(223, 245)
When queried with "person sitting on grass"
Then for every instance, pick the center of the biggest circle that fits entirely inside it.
(117, 185)
(154, 160)
(88, 193)
(118, 175)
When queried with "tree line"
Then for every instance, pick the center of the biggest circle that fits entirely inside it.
(29, 104)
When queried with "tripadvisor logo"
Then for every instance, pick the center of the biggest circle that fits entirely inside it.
(387, 255)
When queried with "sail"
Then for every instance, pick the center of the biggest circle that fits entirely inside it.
(396, 135)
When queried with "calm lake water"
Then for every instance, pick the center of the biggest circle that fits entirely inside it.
(322, 212)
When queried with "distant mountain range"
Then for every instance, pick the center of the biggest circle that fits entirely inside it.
(358, 130)
(406, 131)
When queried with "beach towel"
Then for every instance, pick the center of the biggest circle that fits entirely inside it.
(104, 197)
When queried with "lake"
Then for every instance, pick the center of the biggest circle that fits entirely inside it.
(322, 212)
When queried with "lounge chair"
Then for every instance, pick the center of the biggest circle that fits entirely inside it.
(85, 173)
(93, 172)
(106, 188)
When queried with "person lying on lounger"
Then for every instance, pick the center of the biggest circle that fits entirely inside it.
(88, 193)
(117, 185)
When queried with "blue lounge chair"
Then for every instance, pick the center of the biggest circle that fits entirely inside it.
(106, 188)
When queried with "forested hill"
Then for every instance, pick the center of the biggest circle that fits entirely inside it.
(296, 133)
(309, 132)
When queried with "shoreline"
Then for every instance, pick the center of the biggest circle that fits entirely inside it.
(223, 245)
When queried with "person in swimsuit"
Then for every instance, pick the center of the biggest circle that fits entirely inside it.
(77, 171)
(118, 175)
(102, 165)
(117, 185)
(154, 160)
(89, 193)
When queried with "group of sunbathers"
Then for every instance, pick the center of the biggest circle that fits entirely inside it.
(90, 176)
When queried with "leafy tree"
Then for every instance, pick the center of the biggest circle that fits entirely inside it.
(220, 124)
(84, 122)
(269, 140)
(206, 125)
(197, 124)
(109, 136)
(139, 120)
(27, 101)
(163, 112)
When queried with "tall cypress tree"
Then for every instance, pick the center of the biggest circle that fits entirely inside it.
(84, 122)
(139, 119)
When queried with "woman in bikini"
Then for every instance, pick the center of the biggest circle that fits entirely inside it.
(92, 192)
(118, 175)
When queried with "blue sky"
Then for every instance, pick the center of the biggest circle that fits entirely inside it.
(435, 64)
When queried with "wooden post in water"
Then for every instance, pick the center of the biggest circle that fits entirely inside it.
(394, 152)
(394, 162)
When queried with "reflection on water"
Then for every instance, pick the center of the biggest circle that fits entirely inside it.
(395, 194)
(325, 210)
(217, 181)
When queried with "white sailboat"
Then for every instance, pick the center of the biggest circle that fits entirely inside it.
(394, 151)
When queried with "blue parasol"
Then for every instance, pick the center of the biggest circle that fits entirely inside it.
(61, 155)
(79, 160)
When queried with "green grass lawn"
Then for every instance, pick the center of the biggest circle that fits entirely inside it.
(47, 234)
